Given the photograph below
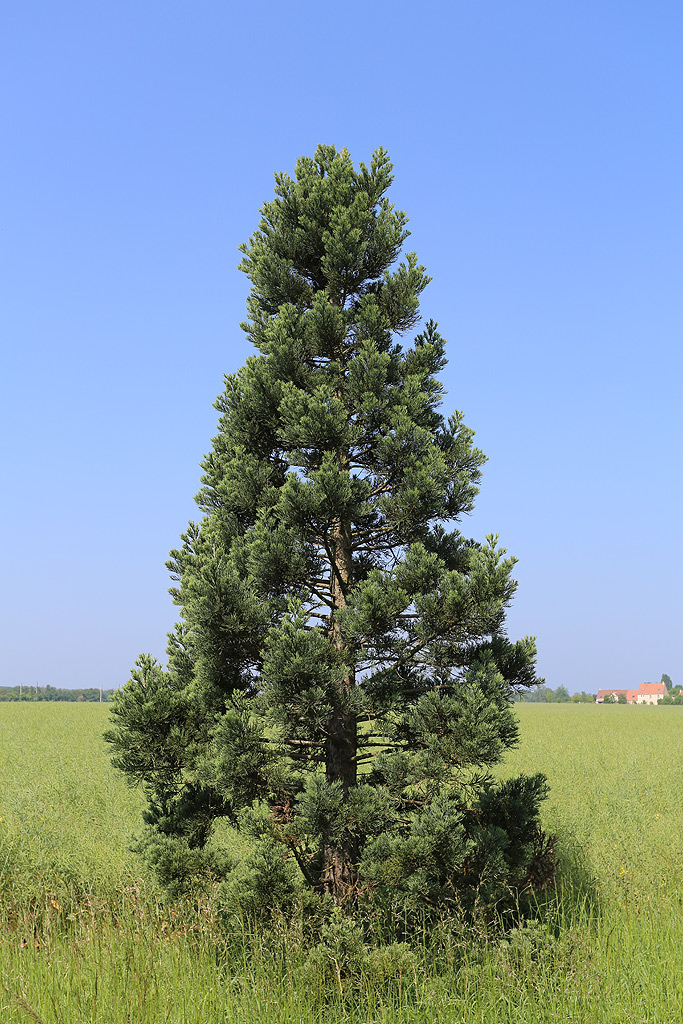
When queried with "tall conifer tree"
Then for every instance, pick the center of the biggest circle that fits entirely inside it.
(340, 683)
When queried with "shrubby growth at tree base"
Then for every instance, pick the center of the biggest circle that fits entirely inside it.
(340, 684)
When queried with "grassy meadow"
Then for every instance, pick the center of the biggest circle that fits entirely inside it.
(85, 937)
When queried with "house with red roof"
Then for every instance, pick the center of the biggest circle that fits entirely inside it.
(647, 693)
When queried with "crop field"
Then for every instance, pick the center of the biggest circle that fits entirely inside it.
(85, 937)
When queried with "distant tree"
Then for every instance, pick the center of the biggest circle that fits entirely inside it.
(667, 681)
(609, 699)
(540, 694)
(341, 684)
(621, 699)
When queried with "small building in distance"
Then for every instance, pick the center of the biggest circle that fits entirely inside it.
(647, 693)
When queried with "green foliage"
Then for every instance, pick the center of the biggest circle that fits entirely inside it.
(340, 687)
(460, 854)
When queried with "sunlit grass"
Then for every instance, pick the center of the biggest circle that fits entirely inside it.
(84, 937)
(615, 775)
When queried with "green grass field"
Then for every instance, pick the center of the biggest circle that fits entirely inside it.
(84, 937)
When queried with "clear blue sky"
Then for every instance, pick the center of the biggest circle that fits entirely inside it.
(538, 151)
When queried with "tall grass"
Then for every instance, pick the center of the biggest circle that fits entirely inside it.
(84, 937)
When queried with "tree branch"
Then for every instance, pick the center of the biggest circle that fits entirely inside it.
(304, 743)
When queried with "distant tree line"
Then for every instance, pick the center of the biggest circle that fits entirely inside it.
(35, 693)
(543, 694)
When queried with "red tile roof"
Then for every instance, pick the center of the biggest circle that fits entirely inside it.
(644, 690)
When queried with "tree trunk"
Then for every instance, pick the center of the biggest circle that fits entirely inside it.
(340, 856)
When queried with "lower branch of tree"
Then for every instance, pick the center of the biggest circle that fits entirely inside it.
(303, 866)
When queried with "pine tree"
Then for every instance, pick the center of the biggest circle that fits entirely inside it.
(340, 684)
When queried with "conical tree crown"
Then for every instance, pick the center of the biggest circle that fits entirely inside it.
(342, 665)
